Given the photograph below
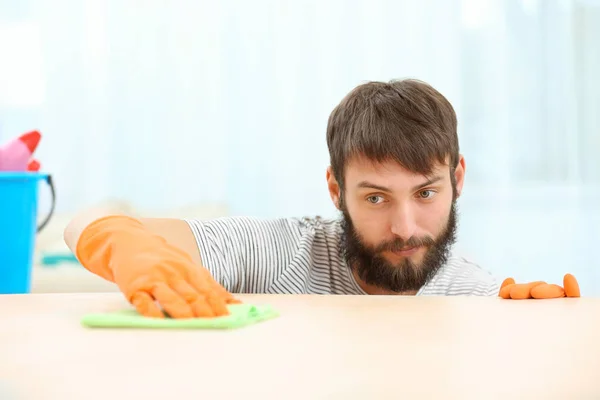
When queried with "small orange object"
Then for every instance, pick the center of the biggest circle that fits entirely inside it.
(522, 291)
(539, 289)
(547, 291)
(505, 290)
(571, 286)
(507, 281)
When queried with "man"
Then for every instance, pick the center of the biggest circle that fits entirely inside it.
(395, 175)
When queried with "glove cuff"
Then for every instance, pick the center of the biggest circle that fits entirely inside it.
(96, 243)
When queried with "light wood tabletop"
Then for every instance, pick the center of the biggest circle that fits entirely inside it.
(320, 347)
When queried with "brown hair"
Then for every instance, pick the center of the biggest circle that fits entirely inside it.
(407, 121)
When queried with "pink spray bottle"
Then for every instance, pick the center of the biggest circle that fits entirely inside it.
(16, 155)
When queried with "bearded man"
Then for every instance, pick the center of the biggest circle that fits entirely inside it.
(395, 175)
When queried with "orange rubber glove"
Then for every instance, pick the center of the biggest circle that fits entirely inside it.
(148, 270)
(539, 289)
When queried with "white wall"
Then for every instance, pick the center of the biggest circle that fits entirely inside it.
(170, 103)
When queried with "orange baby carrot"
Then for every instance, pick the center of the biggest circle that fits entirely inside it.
(571, 286)
(522, 291)
(546, 291)
(505, 291)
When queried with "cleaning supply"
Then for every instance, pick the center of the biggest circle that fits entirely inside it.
(50, 259)
(240, 315)
(34, 166)
(15, 155)
(149, 270)
(18, 227)
(509, 289)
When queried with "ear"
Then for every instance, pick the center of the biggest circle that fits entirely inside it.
(459, 175)
(334, 188)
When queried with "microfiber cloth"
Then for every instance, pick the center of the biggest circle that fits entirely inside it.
(240, 315)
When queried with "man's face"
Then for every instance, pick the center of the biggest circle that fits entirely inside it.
(398, 226)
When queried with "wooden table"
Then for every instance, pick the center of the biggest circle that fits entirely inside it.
(321, 347)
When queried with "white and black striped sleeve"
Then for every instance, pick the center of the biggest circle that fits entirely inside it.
(245, 254)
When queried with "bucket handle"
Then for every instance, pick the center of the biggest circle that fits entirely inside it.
(53, 204)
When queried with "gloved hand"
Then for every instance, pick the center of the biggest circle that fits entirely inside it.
(539, 289)
(148, 270)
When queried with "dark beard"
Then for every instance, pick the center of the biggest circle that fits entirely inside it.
(373, 269)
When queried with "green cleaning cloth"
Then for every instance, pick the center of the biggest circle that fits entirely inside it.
(240, 315)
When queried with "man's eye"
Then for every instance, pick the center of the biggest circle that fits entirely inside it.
(374, 199)
(426, 194)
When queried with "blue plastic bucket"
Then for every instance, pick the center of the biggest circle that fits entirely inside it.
(18, 227)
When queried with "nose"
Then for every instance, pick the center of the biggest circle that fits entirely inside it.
(404, 223)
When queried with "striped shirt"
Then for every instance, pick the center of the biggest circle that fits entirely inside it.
(303, 256)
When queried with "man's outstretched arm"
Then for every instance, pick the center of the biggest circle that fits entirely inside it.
(154, 262)
(175, 231)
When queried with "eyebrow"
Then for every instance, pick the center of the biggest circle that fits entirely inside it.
(369, 185)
